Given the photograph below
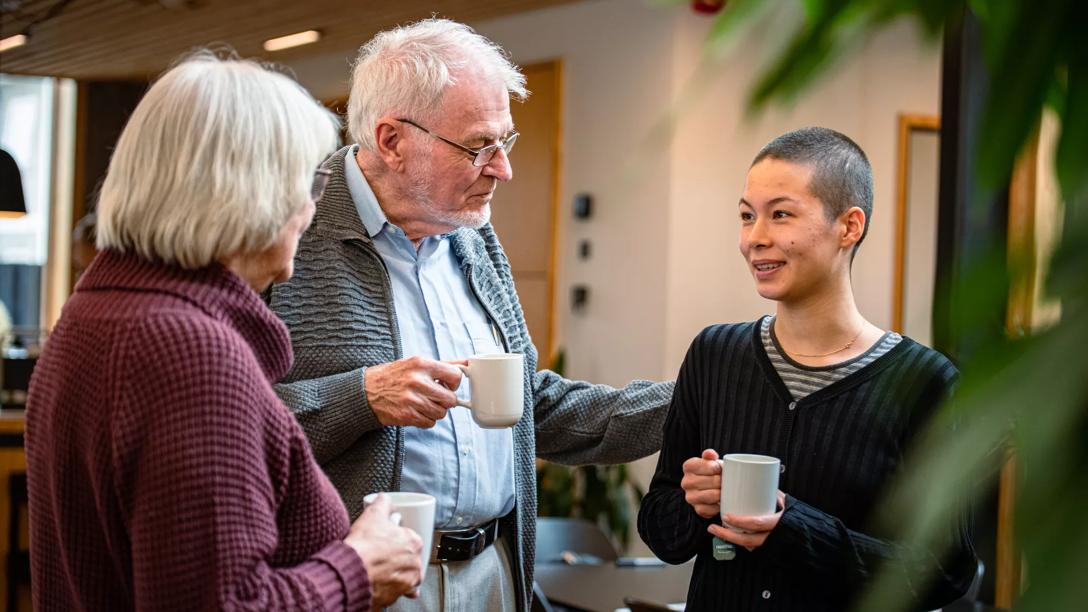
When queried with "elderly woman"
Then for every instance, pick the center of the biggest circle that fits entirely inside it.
(164, 472)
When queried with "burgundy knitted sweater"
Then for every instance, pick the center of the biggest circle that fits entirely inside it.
(164, 473)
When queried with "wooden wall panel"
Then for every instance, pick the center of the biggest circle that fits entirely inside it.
(126, 39)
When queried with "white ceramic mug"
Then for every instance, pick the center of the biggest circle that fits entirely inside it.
(497, 389)
(749, 485)
(416, 512)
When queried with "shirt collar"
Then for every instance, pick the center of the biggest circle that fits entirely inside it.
(370, 212)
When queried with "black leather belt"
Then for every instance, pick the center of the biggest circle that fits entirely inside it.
(464, 545)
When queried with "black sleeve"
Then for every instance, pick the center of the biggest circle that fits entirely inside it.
(666, 522)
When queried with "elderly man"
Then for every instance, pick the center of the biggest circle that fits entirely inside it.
(400, 275)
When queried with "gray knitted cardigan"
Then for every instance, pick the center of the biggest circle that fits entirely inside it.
(339, 309)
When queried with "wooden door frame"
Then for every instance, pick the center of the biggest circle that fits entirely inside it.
(549, 348)
(907, 123)
(1020, 313)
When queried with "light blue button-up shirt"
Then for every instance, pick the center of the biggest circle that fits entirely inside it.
(469, 470)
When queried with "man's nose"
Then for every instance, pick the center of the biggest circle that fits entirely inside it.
(499, 166)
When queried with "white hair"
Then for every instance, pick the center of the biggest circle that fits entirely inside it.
(405, 71)
(217, 157)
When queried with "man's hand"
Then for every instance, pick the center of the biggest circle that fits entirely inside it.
(391, 554)
(702, 484)
(757, 527)
(412, 391)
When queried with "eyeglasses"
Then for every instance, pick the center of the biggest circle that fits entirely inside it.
(481, 156)
(321, 179)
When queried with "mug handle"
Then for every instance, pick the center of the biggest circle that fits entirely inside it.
(721, 463)
(464, 371)
(720, 549)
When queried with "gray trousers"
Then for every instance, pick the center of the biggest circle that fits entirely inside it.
(484, 583)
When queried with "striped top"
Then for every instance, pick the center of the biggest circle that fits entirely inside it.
(802, 380)
(839, 446)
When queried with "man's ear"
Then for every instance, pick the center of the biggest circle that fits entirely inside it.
(853, 226)
(389, 139)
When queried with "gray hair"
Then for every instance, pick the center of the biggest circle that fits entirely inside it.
(841, 175)
(405, 71)
(217, 157)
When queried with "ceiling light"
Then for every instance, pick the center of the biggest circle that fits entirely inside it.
(11, 42)
(292, 40)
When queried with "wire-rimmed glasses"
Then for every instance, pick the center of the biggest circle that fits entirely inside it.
(481, 156)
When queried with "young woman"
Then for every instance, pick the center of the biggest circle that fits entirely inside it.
(836, 398)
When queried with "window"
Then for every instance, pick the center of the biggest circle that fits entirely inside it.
(26, 133)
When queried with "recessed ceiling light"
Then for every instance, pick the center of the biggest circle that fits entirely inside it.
(12, 41)
(292, 40)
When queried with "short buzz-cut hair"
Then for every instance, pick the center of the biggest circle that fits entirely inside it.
(841, 175)
(217, 157)
(405, 71)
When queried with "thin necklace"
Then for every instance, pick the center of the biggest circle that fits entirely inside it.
(848, 345)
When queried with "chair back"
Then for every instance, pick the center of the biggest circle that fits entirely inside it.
(555, 535)
(971, 596)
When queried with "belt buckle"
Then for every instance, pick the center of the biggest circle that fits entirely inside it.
(480, 541)
(460, 545)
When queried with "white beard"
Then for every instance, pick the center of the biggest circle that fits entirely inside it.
(419, 190)
(472, 219)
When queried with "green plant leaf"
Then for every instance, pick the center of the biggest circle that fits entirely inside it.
(601, 494)
(1020, 77)
(1071, 157)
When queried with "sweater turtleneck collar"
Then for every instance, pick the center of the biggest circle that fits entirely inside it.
(214, 289)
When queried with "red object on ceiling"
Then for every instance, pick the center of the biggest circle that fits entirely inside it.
(707, 7)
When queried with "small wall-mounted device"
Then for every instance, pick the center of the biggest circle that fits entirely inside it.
(579, 297)
(583, 206)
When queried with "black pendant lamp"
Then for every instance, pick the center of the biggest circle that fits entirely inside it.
(12, 202)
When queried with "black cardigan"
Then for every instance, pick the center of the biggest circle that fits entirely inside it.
(838, 446)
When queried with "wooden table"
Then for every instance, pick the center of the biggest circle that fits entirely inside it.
(601, 588)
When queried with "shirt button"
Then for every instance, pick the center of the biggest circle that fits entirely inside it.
(793, 405)
(766, 594)
(459, 520)
(464, 451)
